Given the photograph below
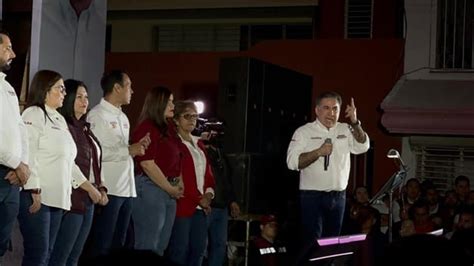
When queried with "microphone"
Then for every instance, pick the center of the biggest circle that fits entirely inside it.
(326, 157)
(394, 154)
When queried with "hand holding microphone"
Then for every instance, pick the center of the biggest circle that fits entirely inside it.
(326, 150)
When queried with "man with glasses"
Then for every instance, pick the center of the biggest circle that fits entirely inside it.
(14, 171)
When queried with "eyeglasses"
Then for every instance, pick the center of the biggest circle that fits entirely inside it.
(61, 88)
(190, 116)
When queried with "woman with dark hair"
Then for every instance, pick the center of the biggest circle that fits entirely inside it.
(189, 237)
(52, 151)
(158, 179)
(76, 223)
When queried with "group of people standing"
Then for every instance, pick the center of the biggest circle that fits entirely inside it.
(71, 174)
(58, 161)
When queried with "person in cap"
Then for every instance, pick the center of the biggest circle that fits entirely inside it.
(266, 249)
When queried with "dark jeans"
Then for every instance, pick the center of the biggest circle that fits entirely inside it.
(217, 247)
(9, 205)
(39, 230)
(188, 240)
(321, 213)
(71, 238)
(111, 225)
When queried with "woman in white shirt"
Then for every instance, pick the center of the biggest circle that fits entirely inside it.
(52, 151)
(76, 223)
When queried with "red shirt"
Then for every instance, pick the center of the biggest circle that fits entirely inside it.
(164, 150)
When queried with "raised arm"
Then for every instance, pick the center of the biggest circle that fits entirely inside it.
(357, 131)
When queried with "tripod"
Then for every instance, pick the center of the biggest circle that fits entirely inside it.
(395, 181)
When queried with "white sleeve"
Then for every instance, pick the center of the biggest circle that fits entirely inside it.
(358, 148)
(77, 176)
(7, 122)
(24, 142)
(3, 122)
(295, 148)
(2, 106)
(34, 119)
(113, 149)
(5, 156)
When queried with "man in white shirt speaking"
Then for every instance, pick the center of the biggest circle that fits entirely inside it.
(321, 150)
(111, 127)
(14, 171)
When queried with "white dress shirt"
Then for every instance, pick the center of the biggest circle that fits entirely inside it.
(75, 44)
(52, 152)
(311, 136)
(13, 136)
(112, 128)
(200, 162)
(91, 172)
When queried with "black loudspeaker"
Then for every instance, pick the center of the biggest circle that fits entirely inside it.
(248, 180)
(261, 105)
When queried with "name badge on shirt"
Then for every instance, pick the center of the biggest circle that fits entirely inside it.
(55, 127)
(316, 138)
(113, 124)
(12, 93)
(341, 136)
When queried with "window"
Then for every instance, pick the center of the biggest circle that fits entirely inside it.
(253, 34)
(455, 34)
(260, 33)
(441, 164)
(223, 37)
(196, 38)
(299, 32)
(358, 19)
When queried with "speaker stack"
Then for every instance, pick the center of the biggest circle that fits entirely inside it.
(261, 105)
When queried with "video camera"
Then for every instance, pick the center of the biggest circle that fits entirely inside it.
(213, 126)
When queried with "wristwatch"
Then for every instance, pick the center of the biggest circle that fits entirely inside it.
(34, 190)
(103, 189)
(356, 124)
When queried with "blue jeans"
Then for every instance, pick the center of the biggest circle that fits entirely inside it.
(188, 240)
(218, 220)
(111, 225)
(39, 230)
(72, 236)
(9, 206)
(153, 216)
(321, 213)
